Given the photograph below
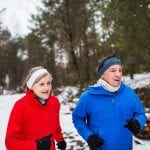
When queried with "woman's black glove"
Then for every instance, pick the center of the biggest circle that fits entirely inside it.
(44, 143)
(133, 125)
(61, 145)
(95, 142)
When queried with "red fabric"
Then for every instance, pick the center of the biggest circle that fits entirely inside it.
(29, 121)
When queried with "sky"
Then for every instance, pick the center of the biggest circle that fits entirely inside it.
(17, 15)
(72, 138)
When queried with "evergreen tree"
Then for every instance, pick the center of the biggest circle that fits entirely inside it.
(129, 22)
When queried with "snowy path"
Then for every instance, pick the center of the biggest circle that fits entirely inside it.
(74, 141)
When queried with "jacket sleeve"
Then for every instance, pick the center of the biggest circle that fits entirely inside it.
(58, 131)
(139, 112)
(14, 139)
(80, 116)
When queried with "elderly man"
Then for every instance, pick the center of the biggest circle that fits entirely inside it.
(109, 112)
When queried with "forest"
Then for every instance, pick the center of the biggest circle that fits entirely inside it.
(67, 41)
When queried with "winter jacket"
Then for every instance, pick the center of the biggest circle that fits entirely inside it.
(104, 113)
(30, 120)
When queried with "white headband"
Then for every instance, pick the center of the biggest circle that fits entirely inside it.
(34, 76)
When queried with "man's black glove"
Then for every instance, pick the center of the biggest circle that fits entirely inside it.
(44, 143)
(61, 145)
(95, 142)
(133, 125)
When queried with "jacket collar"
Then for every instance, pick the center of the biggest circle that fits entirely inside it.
(94, 89)
(32, 98)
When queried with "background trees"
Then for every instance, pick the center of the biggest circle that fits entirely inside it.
(130, 36)
(66, 41)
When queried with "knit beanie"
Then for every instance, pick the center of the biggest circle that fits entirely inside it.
(107, 62)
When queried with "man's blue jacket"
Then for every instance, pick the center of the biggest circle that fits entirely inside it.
(105, 113)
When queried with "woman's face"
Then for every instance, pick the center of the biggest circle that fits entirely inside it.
(113, 75)
(42, 88)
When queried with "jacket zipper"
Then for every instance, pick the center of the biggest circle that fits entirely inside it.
(113, 98)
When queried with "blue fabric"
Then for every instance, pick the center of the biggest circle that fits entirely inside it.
(107, 63)
(104, 113)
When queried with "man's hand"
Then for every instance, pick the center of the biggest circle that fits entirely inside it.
(133, 125)
(95, 142)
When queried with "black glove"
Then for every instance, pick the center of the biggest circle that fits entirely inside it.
(133, 125)
(95, 142)
(44, 143)
(61, 145)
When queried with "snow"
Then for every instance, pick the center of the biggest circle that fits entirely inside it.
(6, 103)
(139, 80)
(74, 140)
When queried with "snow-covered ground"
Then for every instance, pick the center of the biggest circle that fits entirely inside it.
(74, 140)
(139, 81)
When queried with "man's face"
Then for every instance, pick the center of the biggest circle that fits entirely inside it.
(113, 75)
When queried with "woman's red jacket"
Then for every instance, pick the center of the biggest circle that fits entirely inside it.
(30, 120)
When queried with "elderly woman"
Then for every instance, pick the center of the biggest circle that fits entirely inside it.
(34, 120)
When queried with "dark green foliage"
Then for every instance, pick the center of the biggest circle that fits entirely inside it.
(130, 35)
(68, 27)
